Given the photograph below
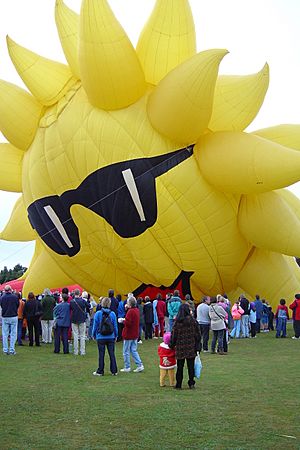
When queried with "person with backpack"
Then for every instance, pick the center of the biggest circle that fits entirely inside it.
(105, 331)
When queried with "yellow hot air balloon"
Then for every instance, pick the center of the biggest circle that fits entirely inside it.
(135, 165)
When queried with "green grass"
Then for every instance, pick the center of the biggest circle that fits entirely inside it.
(245, 400)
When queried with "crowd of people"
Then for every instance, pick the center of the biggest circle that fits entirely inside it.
(185, 328)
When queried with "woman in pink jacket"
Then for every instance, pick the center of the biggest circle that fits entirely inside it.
(237, 313)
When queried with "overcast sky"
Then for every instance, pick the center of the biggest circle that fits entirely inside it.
(253, 31)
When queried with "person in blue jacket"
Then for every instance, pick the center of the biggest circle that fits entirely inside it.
(62, 319)
(121, 314)
(105, 340)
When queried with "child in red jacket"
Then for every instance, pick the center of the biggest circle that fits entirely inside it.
(167, 361)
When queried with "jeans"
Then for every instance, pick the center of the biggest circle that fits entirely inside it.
(61, 332)
(9, 329)
(91, 328)
(217, 336)
(245, 325)
(78, 330)
(110, 344)
(47, 326)
(130, 347)
(281, 327)
(235, 332)
(204, 328)
(191, 371)
(20, 329)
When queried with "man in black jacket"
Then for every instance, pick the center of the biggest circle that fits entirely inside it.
(9, 304)
(244, 304)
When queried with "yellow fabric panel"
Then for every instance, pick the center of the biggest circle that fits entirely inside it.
(10, 168)
(47, 80)
(270, 275)
(287, 135)
(238, 100)
(67, 22)
(109, 67)
(192, 224)
(267, 221)
(167, 39)
(19, 115)
(184, 116)
(241, 163)
(291, 200)
(18, 227)
(37, 280)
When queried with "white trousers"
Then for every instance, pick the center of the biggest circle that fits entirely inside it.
(47, 326)
(78, 330)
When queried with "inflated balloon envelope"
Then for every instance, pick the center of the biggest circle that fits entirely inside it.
(135, 168)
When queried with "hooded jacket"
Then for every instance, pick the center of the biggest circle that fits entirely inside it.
(173, 306)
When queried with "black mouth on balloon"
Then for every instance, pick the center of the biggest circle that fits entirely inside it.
(124, 194)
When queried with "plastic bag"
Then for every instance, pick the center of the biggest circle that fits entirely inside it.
(198, 366)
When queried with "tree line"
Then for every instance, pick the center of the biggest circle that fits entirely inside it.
(11, 274)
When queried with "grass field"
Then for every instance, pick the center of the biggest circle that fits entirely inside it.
(249, 399)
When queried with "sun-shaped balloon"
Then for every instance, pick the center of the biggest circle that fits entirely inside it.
(135, 168)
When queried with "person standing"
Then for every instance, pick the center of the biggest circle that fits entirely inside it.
(148, 317)
(121, 315)
(79, 310)
(48, 304)
(21, 319)
(204, 321)
(217, 316)
(9, 304)
(105, 336)
(155, 319)
(173, 308)
(252, 319)
(237, 313)
(33, 312)
(140, 307)
(62, 317)
(161, 311)
(185, 337)
(167, 361)
(295, 307)
(190, 302)
(245, 305)
(259, 311)
(113, 302)
(130, 336)
(281, 316)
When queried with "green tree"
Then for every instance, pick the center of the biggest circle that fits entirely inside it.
(11, 274)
